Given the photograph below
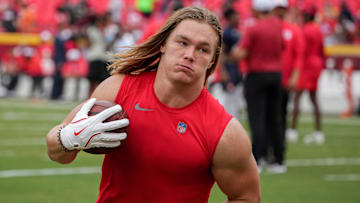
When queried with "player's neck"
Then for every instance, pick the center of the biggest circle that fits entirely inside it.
(175, 95)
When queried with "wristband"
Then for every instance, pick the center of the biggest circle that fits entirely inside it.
(59, 140)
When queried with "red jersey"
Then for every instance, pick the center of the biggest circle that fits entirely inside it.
(314, 54)
(314, 59)
(293, 53)
(264, 44)
(168, 153)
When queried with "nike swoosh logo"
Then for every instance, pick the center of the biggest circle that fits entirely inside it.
(77, 133)
(78, 120)
(137, 107)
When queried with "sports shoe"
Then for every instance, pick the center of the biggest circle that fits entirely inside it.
(291, 135)
(276, 168)
(316, 138)
(262, 163)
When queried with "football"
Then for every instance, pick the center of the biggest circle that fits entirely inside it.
(97, 108)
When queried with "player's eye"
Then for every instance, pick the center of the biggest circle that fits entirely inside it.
(204, 50)
(182, 43)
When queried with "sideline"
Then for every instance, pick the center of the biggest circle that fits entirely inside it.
(323, 162)
(290, 163)
(27, 116)
(342, 177)
(25, 104)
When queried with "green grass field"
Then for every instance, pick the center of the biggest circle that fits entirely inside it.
(321, 174)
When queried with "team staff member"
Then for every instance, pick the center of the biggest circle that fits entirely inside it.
(262, 49)
(314, 62)
(180, 139)
(293, 56)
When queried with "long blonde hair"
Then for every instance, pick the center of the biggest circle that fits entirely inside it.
(145, 57)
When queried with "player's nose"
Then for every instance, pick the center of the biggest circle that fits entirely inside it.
(189, 53)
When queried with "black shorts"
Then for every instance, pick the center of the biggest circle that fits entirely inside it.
(98, 71)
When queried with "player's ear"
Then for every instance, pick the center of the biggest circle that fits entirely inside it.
(162, 49)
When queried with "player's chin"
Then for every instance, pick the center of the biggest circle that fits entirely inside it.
(183, 78)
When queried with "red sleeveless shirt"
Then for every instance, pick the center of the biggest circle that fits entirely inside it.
(167, 155)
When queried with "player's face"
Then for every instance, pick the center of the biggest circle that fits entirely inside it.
(188, 52)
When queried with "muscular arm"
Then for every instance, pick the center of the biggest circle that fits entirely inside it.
(234, 167)
(107, 90)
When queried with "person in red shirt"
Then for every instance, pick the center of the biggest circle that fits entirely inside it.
(180, 139)
(262, 47)
(292, 59)
(9, 68)
(314, 62)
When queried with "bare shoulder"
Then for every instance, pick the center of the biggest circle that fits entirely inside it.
(107, 90)
(234, 143)
(234, 167)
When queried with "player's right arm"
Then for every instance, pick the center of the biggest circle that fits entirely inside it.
(234, 167)
(107, 90)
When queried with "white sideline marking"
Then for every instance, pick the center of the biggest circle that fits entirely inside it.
(48, 172)
(25, 116)
(323, 162)
(344, 177)
(333, 121)
(46, 105)
(90, 170)
(22, 142)
(25, 129)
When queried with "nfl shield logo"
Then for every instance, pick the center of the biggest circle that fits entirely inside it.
(181, 127)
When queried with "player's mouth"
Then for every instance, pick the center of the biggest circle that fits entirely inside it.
(185, 67)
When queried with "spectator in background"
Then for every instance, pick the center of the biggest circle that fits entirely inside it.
(111, 31)
(9, 18)
(313, 64)
(47, 65)
(63, 34)
(262, 47)
(329, 24)
(33, 69)
(75, 67)
(10, 71)
(27, 18)
(124, 39)
(292, 56)
(347, 28)
(46, 49)
(96, 53)
(230, 67)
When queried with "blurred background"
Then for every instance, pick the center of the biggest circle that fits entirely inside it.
(46, 46)
(46, 51)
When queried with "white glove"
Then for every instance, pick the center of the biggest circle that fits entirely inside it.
(85, 132)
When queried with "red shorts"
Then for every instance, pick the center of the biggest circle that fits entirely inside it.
(308, 80)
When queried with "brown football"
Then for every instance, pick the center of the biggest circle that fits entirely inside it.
(97, 108)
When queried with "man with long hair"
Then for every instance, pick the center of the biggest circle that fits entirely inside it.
(180, 139)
